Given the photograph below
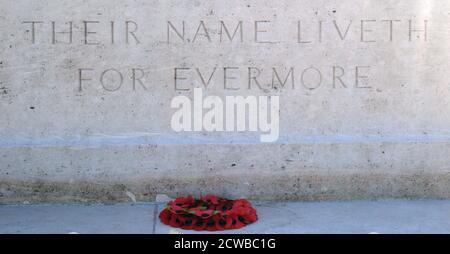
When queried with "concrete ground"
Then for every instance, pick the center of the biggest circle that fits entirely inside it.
(386, 216)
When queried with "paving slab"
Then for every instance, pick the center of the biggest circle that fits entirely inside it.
(83, 219)
(362, 217)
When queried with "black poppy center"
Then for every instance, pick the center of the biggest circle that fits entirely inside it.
(222, 222)
(241, 219)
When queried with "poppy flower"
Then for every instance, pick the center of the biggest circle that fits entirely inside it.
(184, 202)
(165, 215)
(210, 199)
(223, 223)
(176, 209)
(252, 216)
(240, 221)
(242, 203)
(212, 223)
(199, 224)
(189, 222)
(228, 222)
(174, 221)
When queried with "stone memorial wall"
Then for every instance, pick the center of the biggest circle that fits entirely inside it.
(111, 99)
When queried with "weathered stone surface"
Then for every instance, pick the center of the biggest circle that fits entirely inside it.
(324, 217)
(364, 114)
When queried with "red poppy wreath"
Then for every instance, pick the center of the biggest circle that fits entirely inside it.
(208, 213)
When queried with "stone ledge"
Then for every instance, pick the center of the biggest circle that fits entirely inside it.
(317, 171)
